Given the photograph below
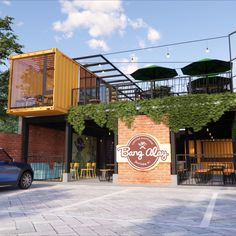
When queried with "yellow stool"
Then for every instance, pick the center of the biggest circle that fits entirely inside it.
(74, 170)
(86, 172)
(94, 169)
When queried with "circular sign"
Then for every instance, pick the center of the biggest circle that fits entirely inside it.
(144, 152)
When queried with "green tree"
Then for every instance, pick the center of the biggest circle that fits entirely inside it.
(8, 45)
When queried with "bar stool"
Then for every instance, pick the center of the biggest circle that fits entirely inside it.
(86, 172)
(93, 169)
(74, 170)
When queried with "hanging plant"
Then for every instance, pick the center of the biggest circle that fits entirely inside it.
(192, 111)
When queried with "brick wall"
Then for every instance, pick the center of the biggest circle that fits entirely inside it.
(161, 174)
(45, 144)
(12, 144)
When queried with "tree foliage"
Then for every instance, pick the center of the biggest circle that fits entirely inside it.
(8, 45)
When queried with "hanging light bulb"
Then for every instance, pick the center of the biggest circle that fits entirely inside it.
(168, 53)
(207, 50)
(207, 130)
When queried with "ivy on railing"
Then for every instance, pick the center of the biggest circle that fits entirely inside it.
(192, 111)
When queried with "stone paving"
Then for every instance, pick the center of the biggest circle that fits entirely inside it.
(107, 209)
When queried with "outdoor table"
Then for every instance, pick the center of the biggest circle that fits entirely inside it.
(104, 174)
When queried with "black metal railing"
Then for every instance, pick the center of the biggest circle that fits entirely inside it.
(217, 169)
(178, 86)
(99, 94)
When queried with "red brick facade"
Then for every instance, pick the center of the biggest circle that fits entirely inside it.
(12, 143)
(161, 174)
(45, 144)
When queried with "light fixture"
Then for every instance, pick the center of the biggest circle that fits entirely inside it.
(109, 133)
(207, 130)
(168, 53)
(99, 65)
(209, 134)
(103, 71)
(207, 50)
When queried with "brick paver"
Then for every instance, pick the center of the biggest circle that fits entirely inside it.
(77, 209)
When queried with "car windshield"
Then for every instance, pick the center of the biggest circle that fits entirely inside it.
(4, 156)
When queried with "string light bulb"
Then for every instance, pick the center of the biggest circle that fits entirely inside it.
(168, 53)
(207, 50)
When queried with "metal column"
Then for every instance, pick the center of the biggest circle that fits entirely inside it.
(25, 140)
(68, 147)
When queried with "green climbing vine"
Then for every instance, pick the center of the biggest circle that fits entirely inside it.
(192, 111)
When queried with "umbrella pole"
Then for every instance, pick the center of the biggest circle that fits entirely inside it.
(152, 83)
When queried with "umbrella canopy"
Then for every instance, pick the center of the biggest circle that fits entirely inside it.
(206, 66)
(154, 73)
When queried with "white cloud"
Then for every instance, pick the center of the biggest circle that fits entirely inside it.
(94, 44)
(129, 64)
(57, 38)
(68, 35)
(142, 44)
(99, 19)
(153, 35)
(138, 23)
(6, 2)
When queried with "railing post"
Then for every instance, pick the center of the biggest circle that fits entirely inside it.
(189, 85)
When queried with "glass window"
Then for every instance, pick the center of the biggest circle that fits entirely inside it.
(84, 149)
(32, 81)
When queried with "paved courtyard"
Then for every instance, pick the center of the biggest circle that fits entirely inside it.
(107, 209)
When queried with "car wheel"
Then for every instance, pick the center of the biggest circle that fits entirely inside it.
(25, 180)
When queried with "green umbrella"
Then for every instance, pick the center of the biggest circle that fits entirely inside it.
(206, 66)
(154, 73)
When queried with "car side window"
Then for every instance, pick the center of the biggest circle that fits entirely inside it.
(3, 156)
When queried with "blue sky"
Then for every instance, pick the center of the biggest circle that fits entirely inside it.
(82, 27)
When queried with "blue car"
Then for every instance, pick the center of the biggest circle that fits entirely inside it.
(14, 173)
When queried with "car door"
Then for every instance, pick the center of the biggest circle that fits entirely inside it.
(9, 172)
